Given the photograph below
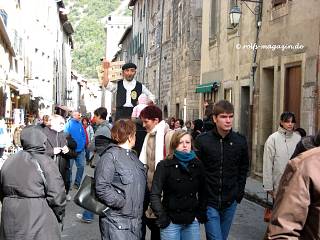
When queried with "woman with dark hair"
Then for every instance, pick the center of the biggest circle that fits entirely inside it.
(120, 184)
(197, 129)
(154, 149)
(171, 122)
(89, 137)
(178, 124)
(178, 191)
(45, 121)
(278, 150)
(208, 117)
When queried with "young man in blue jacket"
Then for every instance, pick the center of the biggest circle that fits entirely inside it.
(224, 154)
(75, 129)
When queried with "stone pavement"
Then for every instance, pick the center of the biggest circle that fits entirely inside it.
(254, 191)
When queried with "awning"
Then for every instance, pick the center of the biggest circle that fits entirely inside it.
(22, 88)
(207, 87)
(64, 108)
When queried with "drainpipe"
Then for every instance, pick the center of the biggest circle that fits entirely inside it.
(160, 54)
(253, 72)
(317, 115)
(254, 64)
(145, 41)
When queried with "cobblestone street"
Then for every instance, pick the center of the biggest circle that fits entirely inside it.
(248, 223)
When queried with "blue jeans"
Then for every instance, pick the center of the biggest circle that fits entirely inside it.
(87, 215)
(88, 154)
(219, 222)
(80, 161)
(181, 231)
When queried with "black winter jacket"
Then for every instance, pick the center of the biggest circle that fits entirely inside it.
(306, 143)
(226, 164)
(183, 193)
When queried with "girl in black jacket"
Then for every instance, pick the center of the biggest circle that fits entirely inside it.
(180, 181)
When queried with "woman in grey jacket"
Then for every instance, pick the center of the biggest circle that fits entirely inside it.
(32, 202)
(120, 184)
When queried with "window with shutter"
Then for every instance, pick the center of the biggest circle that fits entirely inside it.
(278, 2)
(213, 19)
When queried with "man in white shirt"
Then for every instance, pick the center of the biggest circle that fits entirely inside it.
(127, 90)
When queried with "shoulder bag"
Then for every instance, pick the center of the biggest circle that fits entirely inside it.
(86, 197)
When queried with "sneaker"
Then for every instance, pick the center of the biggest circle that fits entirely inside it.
(80, 217)
(68, 197)
(75, 186)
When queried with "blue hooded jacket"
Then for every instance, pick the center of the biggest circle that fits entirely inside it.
(76, 130)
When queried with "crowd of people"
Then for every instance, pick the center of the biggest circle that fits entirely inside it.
(161, 185)
(163, 174)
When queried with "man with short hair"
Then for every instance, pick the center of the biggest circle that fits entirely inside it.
(127, 90)
(101, 139)
(75, 129)
(224, 154)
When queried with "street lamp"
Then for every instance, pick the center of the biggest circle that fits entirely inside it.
(235, 12)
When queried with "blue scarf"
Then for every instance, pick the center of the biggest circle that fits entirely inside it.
(184, 158)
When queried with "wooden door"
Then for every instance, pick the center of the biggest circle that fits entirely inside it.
(292, 101)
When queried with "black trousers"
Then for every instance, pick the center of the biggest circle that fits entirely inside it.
(151, 223)
(123, 113)
(1, 152)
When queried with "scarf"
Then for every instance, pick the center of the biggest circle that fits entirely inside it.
(184, 158)
(86, 133)
(160, 129)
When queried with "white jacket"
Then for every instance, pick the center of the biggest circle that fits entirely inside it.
(3, 134)
(278, 149)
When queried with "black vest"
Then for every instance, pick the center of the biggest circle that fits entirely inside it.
(122, 94)
(125, 112)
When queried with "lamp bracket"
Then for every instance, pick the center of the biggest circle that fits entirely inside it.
(256, 10)
(253, 1)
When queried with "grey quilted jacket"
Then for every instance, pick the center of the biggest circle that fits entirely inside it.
(120, 184)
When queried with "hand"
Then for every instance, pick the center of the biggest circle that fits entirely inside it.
(65, 149)
(163, 221)
(56, 150)
(202, 217)
(105, 64)
(150, 103)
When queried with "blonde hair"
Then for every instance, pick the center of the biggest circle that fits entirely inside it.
(175, 141)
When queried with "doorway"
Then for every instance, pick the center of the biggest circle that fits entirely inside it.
(245, 109)
(292, 93)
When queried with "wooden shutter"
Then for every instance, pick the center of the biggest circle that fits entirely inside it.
(278, 2)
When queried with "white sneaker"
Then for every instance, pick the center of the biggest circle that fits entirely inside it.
(68, 197)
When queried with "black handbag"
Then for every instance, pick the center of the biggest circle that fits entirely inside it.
(86, 197)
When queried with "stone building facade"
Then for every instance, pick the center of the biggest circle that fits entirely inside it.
(267, 64)
(288, 76)
(186, 52)
(171, 58)
(225, 68)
